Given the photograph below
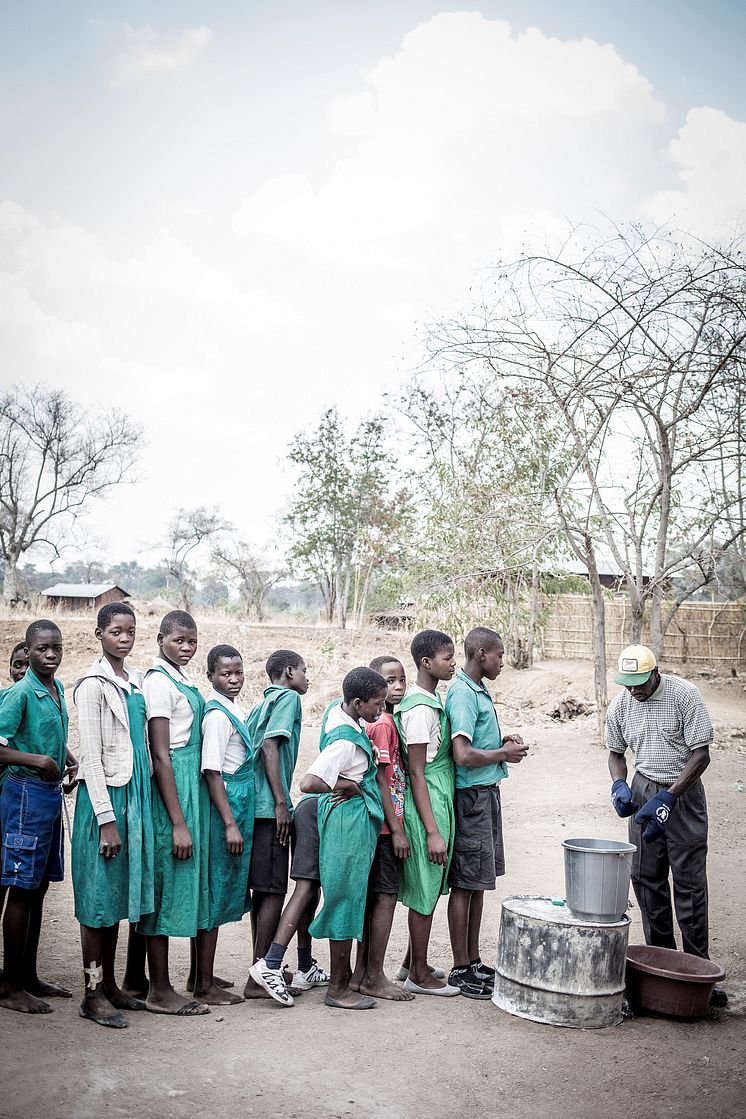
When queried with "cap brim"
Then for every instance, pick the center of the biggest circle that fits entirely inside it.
(630, 679)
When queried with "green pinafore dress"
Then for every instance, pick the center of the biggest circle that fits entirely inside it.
(108, 891)
(423, 882)
(181, 894)
(229, 894)
(347, 843)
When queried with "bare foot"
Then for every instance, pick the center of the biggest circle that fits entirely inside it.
(216, 980)
(134, 991)
(43, 990)
(170, 1002)
(217, 996)
(357, 978)
(25, 1003)
(380, 987)
(252, 990)
(121, 1000)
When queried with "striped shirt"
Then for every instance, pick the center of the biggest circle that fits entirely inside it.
(661, 731)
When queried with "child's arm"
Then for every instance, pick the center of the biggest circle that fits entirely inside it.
(513, 750)
(219, 797)
(159, 733)
(13, 710)
(343, 787)
(399, 839)
(89, 701)
(271, 757)
(437, 852)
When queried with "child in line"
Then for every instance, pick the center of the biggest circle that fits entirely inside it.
(480, 753)
(180, 810)
(112, 844)
(350, 814)
(33, 747)
(428, 805)
(18, 662)
(274, 725)
(228, 769)
(392, 846)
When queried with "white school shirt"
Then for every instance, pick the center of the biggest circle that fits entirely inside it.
(342, 758)
(223, 748)
(422, 724)
(164, 701)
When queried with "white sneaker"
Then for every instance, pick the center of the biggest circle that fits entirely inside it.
(306, 980)
(272, 982)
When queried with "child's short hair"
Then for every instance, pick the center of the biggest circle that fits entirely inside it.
(281, 659)
(427, 643)
(41, 625)
(219, 651)
(480, 638)
(110, 610)
(378, 662)
(362, 683)
(176, 619)
(16, 649)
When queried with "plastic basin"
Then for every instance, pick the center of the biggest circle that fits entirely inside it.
(665, 981)
(597, 875)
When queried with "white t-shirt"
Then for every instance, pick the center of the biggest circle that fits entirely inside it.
(422, 724)
(164, 701)
(341, 758)
(223, 748)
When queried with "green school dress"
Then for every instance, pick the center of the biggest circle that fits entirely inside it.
(108, 891)
(347, 843)
(422, 882)
(229, 894)
(181, 894)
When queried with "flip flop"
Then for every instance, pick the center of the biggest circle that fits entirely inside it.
(364, 1003)
(126, 1002)
(191, 1009)
(113, 1021)
(403, 973)
(440, 992)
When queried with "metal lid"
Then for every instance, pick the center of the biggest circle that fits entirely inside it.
(544, 909)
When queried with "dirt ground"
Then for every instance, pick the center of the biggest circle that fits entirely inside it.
(429, 1057)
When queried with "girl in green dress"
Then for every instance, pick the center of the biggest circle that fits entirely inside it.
(112, 844)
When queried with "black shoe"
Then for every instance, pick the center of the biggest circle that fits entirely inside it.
(470, 986)
(483, 972)
(719, 997)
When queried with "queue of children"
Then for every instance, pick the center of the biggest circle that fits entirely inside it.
(184, 820)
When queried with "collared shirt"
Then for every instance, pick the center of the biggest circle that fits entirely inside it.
(277, 715)
(341, 758)
(164, 701)
(662, 731)
(422, 723)
(223, 749)
(471, 713)
(31, 722)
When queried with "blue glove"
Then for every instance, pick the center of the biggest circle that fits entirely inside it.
(621, 798)
(653, 816)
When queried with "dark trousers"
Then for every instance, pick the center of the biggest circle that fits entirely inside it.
(682, 850)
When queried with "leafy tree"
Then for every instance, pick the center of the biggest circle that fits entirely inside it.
(248, 571)
(189, 529)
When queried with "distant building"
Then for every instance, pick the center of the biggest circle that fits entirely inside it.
(84, 596)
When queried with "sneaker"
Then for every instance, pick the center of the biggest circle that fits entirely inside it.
(469, 983)
(306, 980)
(272, 982)
(483, 972)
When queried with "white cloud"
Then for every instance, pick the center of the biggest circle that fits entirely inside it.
(148, 52)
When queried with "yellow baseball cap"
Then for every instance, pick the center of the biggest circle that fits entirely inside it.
(636, 662)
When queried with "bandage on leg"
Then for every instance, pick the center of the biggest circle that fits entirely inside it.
(95, 975)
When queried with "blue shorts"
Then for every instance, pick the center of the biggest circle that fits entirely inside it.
(31, 823)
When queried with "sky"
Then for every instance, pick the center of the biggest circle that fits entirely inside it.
(227, 217)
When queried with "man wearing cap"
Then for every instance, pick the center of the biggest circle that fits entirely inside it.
(664, 722)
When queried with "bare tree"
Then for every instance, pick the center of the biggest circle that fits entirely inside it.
(55, 456)
(189, 529)
(248, 571)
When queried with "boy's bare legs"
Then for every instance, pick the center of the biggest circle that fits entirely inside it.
(41, 988)
(464, 924)
(162, 998)
(135, 982)
(99, 984)
(206, 988)
(475, 924)
(223, 983)
(298, 913)
(419, 939)
(304, 938)
(266, 910)
(369, 977)
(13, 995)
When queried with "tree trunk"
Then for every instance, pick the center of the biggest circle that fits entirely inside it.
(599, 639)
(345, 597)
(534, 617)
(10, 580)
(364, 596)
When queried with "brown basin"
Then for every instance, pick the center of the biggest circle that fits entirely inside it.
(668, 982)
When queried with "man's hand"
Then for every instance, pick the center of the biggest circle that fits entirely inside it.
(654, 814)
(514, 748)
(437, 852)
(182, 842)
(47, 767)
(70, 776)
(109, 842)
(234, 840)
(621, 798)
(400, 844)
(284, 823)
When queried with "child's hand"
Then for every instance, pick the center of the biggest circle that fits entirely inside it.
(47, 767)
(182, 842)
(437, 852)
(284, 823)
(109, 842)
(233, 840)
(70, 777)
(514, 748)
(344, 790)
(400, 843)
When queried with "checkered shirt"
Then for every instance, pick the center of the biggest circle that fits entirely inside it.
(662, 731)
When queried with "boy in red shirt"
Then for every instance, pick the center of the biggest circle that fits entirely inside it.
(392, 846)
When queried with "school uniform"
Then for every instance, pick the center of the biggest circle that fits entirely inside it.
(478, 854)
(226, 749)
(385, 873)
(32, 722)
(277, 715)
(114, 787)
(181, 894)
(348, 830)
(421, 717)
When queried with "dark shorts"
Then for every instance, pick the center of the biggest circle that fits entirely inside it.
(31, 822)
(384, 873)
(305, 862)
(478, 856)
(268, 870)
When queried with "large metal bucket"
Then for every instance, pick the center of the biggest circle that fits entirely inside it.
(597, 874)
